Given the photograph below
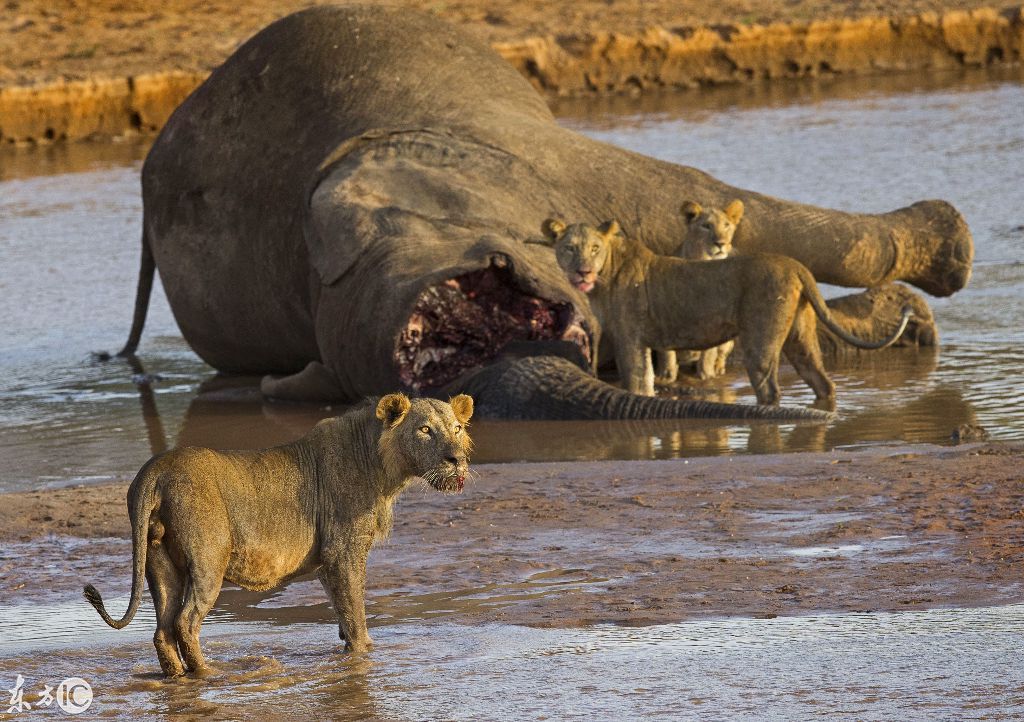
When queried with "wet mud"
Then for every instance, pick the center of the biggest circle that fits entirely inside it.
(634, 542)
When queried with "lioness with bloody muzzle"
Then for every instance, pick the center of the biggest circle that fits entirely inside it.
(644, 301)
(260, 518)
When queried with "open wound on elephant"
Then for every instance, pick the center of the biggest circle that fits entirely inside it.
(464, 322)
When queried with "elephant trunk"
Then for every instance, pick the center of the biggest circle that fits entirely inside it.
(553, 388)
(933, 247)
(927, 244)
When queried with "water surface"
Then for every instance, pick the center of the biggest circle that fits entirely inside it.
(69, 238)
(937, 664)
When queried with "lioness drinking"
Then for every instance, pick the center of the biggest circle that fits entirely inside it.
(260, 518)
(646, 301)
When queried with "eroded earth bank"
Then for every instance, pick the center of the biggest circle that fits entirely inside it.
(108, 68)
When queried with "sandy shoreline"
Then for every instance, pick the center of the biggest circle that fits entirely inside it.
(121, 68)
(634, 542)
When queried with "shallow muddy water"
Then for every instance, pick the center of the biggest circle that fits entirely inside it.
(937, 664)
(69, 227)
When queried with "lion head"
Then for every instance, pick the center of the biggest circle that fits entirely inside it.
(581, 250)
(427, 438)
(709, 231)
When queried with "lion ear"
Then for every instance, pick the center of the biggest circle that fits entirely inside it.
(553, 228)
(691, 210)
(610, 228)
(391, 409)
(462, 405)
(734, 211)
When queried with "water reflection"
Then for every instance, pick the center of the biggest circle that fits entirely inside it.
(229, 413)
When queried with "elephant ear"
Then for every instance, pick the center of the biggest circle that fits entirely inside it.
(378, 191)
(340, 224)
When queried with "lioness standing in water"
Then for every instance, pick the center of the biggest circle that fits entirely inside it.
(646, 301)
(260, 518)
(708, 237)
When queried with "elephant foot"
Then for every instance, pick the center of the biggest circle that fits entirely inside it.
(873, 314)
(937, 252)
(316, 382)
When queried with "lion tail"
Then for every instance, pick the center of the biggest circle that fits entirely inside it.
(139, 512)
(813, 296)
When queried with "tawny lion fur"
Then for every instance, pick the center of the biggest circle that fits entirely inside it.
(646, 301)
(260, 518)
(708, 237)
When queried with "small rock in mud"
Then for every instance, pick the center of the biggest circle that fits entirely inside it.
(968, 432)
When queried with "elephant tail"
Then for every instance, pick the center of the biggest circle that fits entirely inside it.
(147, 269)
(551, 387)
(813, 296)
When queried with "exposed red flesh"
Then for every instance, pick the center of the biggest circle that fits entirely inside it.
(465, 321)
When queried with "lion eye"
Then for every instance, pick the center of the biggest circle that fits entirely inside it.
(458, 428)
(425, 429)
(594, 250)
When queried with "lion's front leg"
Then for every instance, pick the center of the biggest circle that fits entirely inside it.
(343, 576)
(667, 367)
(636, 371)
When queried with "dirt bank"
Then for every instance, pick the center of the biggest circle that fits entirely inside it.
(635, 542)
(116, 66)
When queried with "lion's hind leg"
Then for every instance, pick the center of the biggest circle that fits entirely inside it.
(205, 547)
(804, 352)
(166, 586)
(762, 347)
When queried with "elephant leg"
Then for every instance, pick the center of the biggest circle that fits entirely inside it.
(667, 369)
(316, 382)
(872, 315)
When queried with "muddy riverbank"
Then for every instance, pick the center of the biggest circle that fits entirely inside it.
(121, 68)
(570, 544)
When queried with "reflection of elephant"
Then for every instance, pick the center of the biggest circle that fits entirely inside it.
(346, 199)
(228, 413)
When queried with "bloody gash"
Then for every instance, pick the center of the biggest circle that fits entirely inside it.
(466, 321)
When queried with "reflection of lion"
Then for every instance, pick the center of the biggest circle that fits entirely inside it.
(260, 518)
(708, 237)
(646, 301)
